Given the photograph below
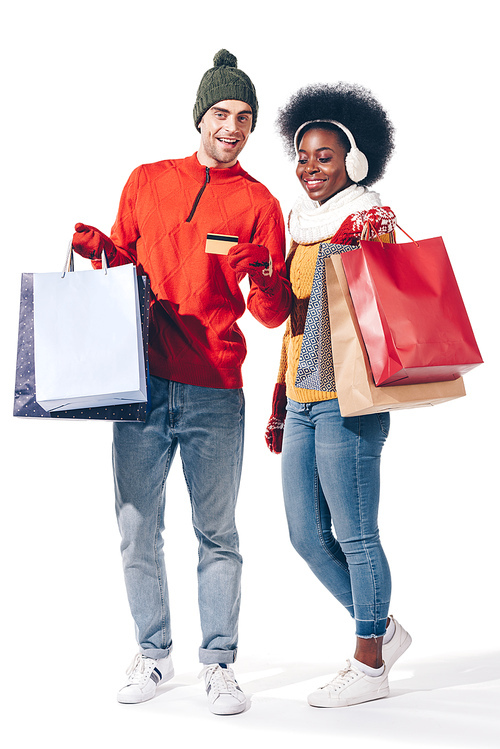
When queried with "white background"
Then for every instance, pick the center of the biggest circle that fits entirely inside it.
(91, 90)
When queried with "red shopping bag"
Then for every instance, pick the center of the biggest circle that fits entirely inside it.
(410, 311)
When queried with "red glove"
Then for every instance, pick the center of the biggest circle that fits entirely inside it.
(381, 218)
(89, 242)
(256, 261)
(276, 424)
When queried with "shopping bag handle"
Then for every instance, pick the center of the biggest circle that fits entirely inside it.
(69, 265)
(368, 225)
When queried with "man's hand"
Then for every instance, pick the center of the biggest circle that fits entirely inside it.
(254, 260)
(89, 242)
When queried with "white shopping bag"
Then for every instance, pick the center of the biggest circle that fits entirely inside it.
(88, 339)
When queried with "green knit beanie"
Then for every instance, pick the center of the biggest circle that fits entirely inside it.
(224, 81)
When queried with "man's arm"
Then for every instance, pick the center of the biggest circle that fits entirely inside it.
(263, 259)
(120, 248)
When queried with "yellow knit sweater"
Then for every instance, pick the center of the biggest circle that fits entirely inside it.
(301, 263)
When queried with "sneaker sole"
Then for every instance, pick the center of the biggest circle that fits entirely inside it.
(354, 700)
(125, 700)
(228, 710)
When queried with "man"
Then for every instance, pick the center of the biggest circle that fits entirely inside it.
(175, 221)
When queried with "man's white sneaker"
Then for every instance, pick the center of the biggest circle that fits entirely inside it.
(350, 687)
(144, 675)
(224, 695)
(397, 645)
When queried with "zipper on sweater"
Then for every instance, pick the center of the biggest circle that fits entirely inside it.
(197, 199)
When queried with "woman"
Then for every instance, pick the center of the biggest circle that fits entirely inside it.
(331, 465)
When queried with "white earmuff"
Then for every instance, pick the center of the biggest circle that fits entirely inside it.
(356, 163)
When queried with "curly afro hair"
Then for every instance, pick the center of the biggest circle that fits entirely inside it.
(353, 106)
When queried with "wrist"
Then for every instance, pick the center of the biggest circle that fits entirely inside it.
(270, 283)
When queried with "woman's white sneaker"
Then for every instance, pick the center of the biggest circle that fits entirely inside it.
(225, 697)
(397, 645)
(144, 676)
(350, 687)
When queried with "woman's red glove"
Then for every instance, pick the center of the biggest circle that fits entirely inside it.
(276, 424)
(89, 242)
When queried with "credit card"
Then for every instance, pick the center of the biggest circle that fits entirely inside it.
(220, 244)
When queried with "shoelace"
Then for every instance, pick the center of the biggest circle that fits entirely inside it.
(220, 679)
(140, 669)
(343, 677)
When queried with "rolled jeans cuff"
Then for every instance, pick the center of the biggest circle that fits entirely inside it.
(156, 652)
(368, 629)
(217, 656)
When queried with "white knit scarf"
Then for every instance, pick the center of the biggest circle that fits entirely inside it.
(311, 222)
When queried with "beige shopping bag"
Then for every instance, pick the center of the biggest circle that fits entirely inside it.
(355, 385)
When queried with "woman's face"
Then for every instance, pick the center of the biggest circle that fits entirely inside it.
(321, 164)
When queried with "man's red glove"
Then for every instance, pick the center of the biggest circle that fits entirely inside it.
(256, 261)
(89, 242)
(276, 424)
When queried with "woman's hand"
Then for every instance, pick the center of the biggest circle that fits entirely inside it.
(276, 424)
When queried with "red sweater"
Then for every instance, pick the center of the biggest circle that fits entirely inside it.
(165, 213)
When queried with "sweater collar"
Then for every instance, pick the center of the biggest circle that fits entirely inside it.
(217, 176)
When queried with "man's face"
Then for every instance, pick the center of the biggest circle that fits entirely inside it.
(225, 128)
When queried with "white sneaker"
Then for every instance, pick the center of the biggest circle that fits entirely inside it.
(397, 645)
(350, 687)
(144, 676)
(224, 695)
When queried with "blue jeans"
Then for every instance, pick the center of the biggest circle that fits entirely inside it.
(207, 424)
(331, 474)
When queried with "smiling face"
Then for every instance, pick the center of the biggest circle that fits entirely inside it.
(225, 128)
(321, 164)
